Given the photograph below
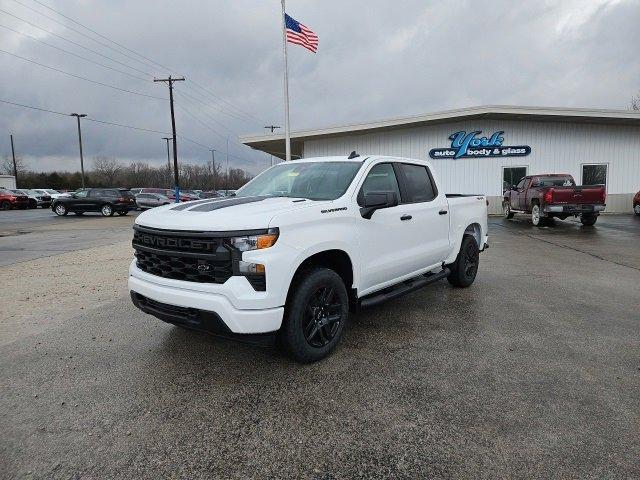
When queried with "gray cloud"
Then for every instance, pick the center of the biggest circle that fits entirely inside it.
(377, 59)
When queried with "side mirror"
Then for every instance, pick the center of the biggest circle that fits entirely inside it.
(375, 201)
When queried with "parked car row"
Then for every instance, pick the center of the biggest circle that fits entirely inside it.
(154, 197)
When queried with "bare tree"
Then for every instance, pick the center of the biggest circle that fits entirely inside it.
(635, 102)
(7, 165)
(107, 169)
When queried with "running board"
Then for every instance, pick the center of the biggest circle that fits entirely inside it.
(403, 288)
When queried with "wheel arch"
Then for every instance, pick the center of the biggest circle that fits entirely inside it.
(335, 259)
(475, 230)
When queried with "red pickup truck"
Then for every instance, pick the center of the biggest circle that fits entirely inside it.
(554, 195)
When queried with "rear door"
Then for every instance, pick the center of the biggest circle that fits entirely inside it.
(96, 200)
(426, 214)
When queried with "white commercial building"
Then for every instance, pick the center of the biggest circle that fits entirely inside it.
(485, 149)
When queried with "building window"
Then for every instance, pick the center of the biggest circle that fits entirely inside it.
(511, 176)
(595, 174)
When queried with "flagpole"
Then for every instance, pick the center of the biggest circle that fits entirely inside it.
(287, 133)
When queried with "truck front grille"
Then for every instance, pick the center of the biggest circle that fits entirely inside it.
(188, 256)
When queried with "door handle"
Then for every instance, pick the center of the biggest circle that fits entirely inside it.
(442, 212)
(406, 217)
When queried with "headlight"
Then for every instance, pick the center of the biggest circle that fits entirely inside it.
(255, 242)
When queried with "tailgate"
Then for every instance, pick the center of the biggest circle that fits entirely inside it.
(589, 194)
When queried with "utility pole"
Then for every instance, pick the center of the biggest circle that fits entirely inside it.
(168, 155)
(78, 117)
(227, 191)
(15, 166)
(168, 158)
(213, 158)
(170, 81)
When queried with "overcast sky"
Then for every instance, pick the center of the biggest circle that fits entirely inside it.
(377, 59)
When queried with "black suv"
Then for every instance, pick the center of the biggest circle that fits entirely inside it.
(104, 200)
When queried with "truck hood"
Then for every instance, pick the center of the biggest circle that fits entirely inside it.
(222, 214)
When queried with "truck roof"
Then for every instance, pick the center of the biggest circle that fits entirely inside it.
(359, 159)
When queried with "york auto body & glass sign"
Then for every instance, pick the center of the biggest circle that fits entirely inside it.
(470, 145)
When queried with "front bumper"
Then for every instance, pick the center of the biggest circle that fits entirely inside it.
(573, 209)
(237, 321)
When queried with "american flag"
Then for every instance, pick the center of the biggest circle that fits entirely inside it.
(300, 35)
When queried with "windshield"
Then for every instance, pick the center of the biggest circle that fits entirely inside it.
(312, 180)
(555, 182)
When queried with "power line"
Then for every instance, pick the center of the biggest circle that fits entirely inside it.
(132, 127)
(149, 60)
(225, 137)
(82, 78)
(246, 114)
(74, 43)
(33, 108)
(148, 130)
(78, 32)
(72, 53)
(207, 103)
(101, 36)
(210, 117)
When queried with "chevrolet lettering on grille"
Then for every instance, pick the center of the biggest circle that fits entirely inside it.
(177, 243)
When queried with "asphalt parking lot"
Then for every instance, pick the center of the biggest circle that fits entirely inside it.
(533, 372)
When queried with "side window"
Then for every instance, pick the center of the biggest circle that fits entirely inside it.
(521, 183)
(81, 194)
(418, 184)
(595, 174)
(381, 178)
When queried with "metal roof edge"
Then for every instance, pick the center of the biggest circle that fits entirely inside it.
(561, 112)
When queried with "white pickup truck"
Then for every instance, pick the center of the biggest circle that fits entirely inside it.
(301, 246)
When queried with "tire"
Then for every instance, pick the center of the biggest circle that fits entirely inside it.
(60, 209)
(465, 268)
(537, 217)
(506, 210)
(315, 315)
(588, 220)
(6, 205)
(122, 213)
(636, 209)
(33, 204)
(106, 210)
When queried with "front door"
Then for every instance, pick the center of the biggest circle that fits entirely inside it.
(79, 201)
(382, 239)
(518, 199)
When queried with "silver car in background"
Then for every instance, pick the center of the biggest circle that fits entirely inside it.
(150, 200)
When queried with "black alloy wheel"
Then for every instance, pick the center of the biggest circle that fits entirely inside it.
(465, 268)
(316, 314)
(471, 257)
(6, 205)
(323, 317)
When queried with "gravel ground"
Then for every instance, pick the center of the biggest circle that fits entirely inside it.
(533, 372)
